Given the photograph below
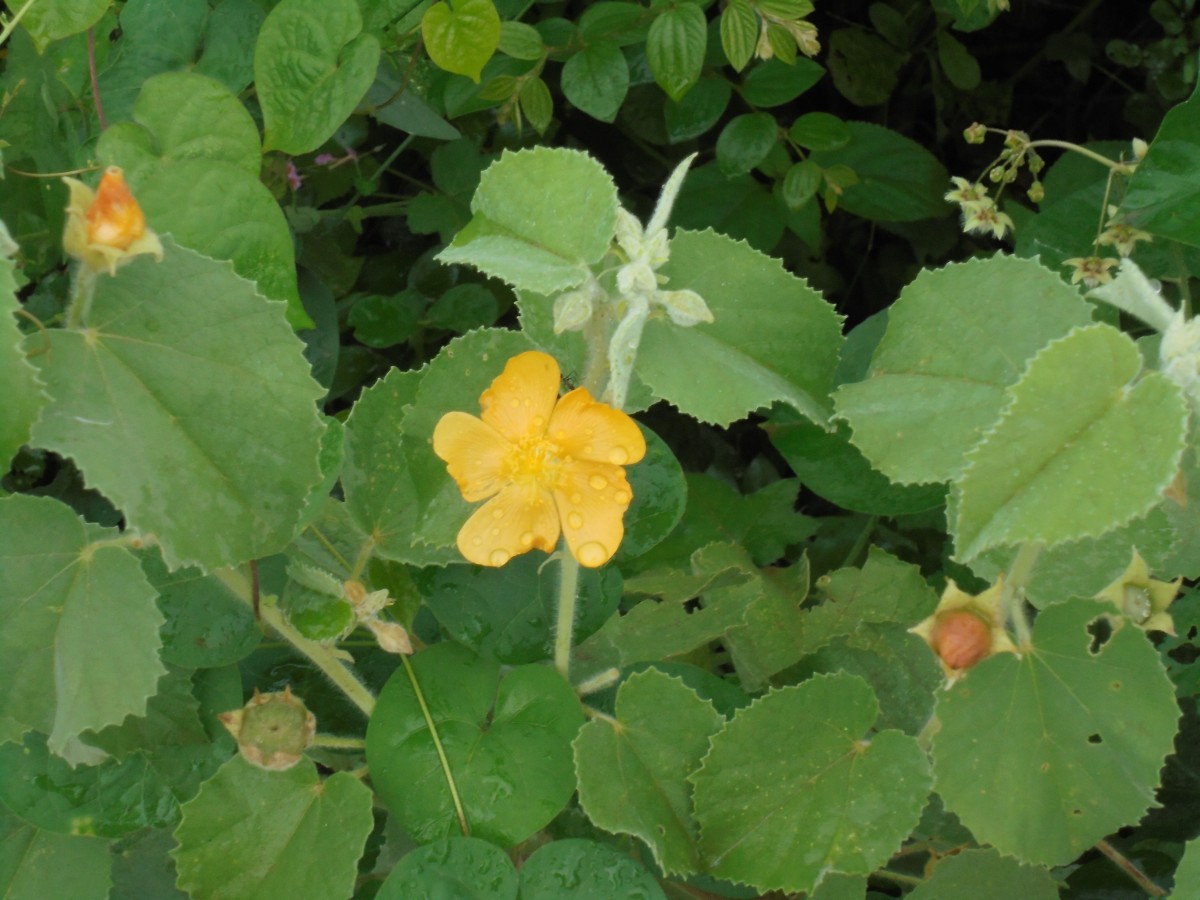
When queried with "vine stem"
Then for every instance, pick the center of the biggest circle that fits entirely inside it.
(564, 628)
(1012, 594)
(91, 56)
(463, 825)
(320, 655)
(1126, 865)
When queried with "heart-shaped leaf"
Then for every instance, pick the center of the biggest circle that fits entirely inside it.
(507, 745)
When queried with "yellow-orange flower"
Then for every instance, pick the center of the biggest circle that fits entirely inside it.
(546, 465)
(106, 227)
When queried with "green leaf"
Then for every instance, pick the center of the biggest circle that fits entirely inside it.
(1085, 567)
(985, 875)
(464, 868)
(739, 33)
(88, 603)
(833, 468)
(193, 160)
(773, 338)
(1074, 730)
(774, 83)
(801, 183)
(312, 64)
(108, 799)
(596, 80)
(51, 20)
(659, 498)
(541, 240)
(37, 864)
(791, 789)
(187, 116)
(187, 402)
(596, 871)
(961, 68)
(1162, 195)
(1075, 421)
(521, 41)
(675, 48)
(765, 523)
(698, 111)
(461, 35)
(820, 131)
(262, 835)
(1187, 876)
(536, 104)
(885, 590)
(507, 614)
(745, 142)
(207, 625)
(506, 741)
(956, 339)
(898, 179)
(228, 43)
(738, 207)
(633, 768)
(865, 68)
(24, 396)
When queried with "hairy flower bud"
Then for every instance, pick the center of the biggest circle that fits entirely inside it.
(106, 227)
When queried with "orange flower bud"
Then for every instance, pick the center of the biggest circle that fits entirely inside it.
(106, 228)
(114, 219)
(960, 638)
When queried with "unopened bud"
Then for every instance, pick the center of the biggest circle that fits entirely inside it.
(960, 638)
(392, 636)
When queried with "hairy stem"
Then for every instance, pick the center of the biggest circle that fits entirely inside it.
(318, 654)
(1012, 595)
(564, 627)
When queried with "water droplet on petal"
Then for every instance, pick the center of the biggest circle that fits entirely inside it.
(476, 541)
(527, 539)
(497, 513)
(495, 532)
(576, 497)
(622, 497)
(592, 554)
(597, 482)
(498, 557)
(575, 520)
(618, 456)
(538, 422)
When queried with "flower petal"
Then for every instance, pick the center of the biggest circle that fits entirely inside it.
(592, 498)
(513, 522)
(475, 454)
(519, 402)
(586, 429)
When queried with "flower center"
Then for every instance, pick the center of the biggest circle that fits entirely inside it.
(536, 461)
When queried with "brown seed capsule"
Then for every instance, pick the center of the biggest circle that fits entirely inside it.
(961, 638)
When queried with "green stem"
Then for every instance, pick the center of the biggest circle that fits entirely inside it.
(336, 742)
(1012, 595)
(564, 627)
(320, 655)
(82, 292)
(1084, 151)
(437, 744)
(11, 24)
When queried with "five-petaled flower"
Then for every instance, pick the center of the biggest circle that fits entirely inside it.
(106, 227)
(547, 465)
